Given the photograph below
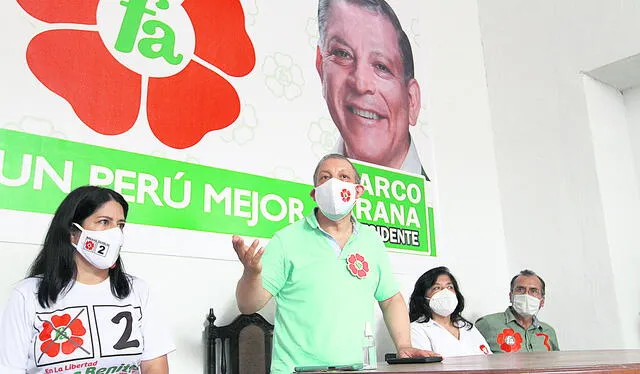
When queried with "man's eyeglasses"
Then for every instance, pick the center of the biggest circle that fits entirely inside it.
(530, 291)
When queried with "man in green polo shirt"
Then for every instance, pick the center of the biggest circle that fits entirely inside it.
(324, 271)
(517, 328)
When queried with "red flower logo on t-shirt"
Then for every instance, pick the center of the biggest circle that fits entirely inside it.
(107, 58)
(345, 195)
(357, 265)
(509, 340)
(61, 334)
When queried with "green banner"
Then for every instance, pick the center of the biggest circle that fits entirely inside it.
(37, 172)
(395, 205)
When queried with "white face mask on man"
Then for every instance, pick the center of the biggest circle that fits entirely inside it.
(100, 248)
(525, 305)
(335, 198)
(443, 302)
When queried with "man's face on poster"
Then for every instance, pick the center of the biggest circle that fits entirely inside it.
(363, 82)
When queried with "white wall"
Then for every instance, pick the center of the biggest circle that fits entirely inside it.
(630, 258)
(631, 99)
(556, 212)
(618, 182)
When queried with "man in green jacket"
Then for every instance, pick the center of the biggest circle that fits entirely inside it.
(517, 328)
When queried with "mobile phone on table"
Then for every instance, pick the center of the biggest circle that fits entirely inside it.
(347, 367)
(392, 359)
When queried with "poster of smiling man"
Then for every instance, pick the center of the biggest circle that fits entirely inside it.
(209, 116)
(365, 63)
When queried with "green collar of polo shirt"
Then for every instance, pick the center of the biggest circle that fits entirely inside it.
(312, 220)
(511, 317)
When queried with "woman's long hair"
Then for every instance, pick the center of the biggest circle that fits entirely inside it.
(419, 306)
(55, 265)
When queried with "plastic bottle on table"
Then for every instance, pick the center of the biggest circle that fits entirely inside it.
(369, 358)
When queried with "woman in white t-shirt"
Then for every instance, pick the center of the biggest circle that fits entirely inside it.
(78, 311)
(436, 322)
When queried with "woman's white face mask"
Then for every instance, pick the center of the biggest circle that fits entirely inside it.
(443, 302)
(100, 248)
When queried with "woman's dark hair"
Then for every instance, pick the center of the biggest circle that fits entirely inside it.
(55, 265)
(419, 306)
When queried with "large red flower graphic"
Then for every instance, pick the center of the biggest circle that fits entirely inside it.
(61, 334)
(509, 340)
(109, 57)
(357, 265)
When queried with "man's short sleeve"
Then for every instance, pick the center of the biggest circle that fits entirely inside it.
(387, 285)
(274, 266)
(489, 326)
(484, 328)
(15, 339)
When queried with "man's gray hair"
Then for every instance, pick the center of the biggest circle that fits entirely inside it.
(377, 7)
(527, 273)
(339, 157)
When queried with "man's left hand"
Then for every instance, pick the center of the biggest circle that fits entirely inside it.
(415, 352)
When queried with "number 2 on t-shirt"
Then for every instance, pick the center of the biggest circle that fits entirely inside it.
(119, 330)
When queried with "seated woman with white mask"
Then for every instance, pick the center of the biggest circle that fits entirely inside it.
(436, 322)
(78, 311)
